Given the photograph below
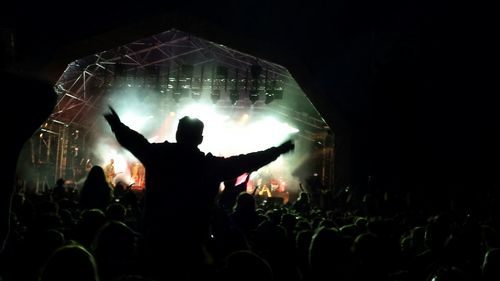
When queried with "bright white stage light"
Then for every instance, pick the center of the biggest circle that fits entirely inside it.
(135, 121)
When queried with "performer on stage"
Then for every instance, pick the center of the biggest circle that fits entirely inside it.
(109, 171)
(88, 165)
(137, 174)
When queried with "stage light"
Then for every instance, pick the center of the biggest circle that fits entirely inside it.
(234, 96)
(196, 95)
(176, 94)
(185, 90)
(269, 96)
(254, 96)
(215, 95)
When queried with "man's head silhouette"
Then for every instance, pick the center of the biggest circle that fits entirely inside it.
(189, 131)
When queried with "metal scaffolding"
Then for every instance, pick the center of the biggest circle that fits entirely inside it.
(177, 65)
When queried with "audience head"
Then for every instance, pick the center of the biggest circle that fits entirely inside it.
(448, 274)
(491, 265)
(116, 212)
(70, 262)
(114, 240)
(189, 131)
(245, 202)
(96, 174)
(60, 182)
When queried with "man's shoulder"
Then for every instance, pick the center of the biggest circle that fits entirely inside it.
(163, 145)
(210, 156)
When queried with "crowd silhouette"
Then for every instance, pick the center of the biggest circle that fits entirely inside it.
(182, 228)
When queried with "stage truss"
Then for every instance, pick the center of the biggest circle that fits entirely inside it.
(175, 65)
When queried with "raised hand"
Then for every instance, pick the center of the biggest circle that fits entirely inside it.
(286, 146)
(112, 117)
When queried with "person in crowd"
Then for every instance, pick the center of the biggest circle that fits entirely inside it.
(70, 262)
(244, 215)
(181, 186)
(109, 171)
(59, 190)
(96, 191)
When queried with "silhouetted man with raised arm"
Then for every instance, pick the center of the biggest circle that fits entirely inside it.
(181, 185)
